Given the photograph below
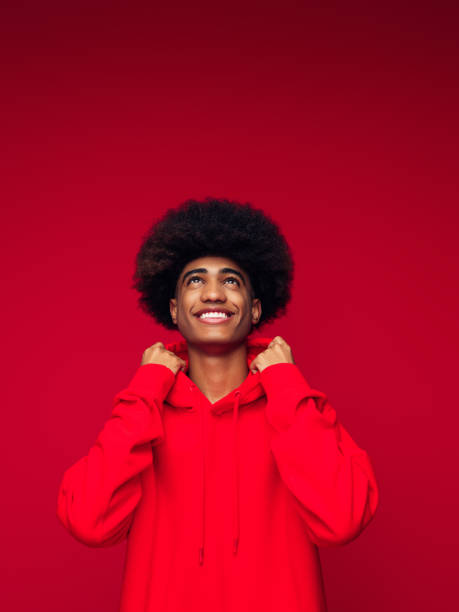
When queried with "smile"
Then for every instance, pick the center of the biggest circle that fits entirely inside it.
(214, 317)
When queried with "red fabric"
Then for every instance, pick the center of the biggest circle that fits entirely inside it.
(223, 505)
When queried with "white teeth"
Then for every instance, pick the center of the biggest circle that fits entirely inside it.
(213, 315)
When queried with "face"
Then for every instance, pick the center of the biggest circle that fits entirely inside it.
(219, 287)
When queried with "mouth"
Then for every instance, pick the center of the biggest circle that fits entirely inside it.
(214, 317)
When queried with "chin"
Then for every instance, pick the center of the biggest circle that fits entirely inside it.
(218, 336)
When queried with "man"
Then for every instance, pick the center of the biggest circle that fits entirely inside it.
(221, 466)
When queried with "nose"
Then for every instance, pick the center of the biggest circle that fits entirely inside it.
(213, 291)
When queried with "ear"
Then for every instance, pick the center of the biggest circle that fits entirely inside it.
(256, 310)
(173, 310)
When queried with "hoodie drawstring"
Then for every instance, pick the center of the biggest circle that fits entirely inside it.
(236, 473)
(203, 489)
(235, 480)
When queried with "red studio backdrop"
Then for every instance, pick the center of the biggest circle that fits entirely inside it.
(339, 121)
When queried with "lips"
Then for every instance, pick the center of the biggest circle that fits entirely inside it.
(217, 311)
(214, 316)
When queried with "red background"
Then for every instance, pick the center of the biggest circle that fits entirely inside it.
(340, 122)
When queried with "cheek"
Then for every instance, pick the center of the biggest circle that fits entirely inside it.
(246, 309)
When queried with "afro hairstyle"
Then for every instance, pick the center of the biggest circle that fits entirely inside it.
(217, 227)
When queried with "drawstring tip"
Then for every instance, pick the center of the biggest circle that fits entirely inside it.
(235, 545)
(201, 555)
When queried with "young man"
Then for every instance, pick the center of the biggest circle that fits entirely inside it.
(221, 466)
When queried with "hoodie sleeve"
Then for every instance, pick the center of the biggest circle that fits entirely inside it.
(331, 478)
(99, 493)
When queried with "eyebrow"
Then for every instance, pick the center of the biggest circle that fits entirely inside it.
(221, 271)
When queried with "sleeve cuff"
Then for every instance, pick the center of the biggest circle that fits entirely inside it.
(285, 387)
(152, 381)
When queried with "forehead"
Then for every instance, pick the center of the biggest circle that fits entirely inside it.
(212, 264)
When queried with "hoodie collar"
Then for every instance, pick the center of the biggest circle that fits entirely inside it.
(249, 390)
(185, 394)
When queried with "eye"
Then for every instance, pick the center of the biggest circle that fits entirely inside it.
(192, 278)
(234, 279)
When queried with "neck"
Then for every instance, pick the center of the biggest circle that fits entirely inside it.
(217, 374)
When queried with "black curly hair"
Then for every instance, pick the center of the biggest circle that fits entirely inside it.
(217, 227)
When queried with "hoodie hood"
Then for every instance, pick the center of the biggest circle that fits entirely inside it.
(184, 394)
(249, 390)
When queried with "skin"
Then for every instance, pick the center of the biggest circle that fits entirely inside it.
(217, 354)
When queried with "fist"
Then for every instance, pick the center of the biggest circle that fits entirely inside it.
(278, 351)
(157, 353)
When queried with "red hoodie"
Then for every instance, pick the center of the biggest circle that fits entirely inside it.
(223, 505)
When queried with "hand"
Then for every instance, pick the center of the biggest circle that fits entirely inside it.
(157, 353)
(278, 351)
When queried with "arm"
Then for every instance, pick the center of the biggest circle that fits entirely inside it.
(99, 493)
(331, 478)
